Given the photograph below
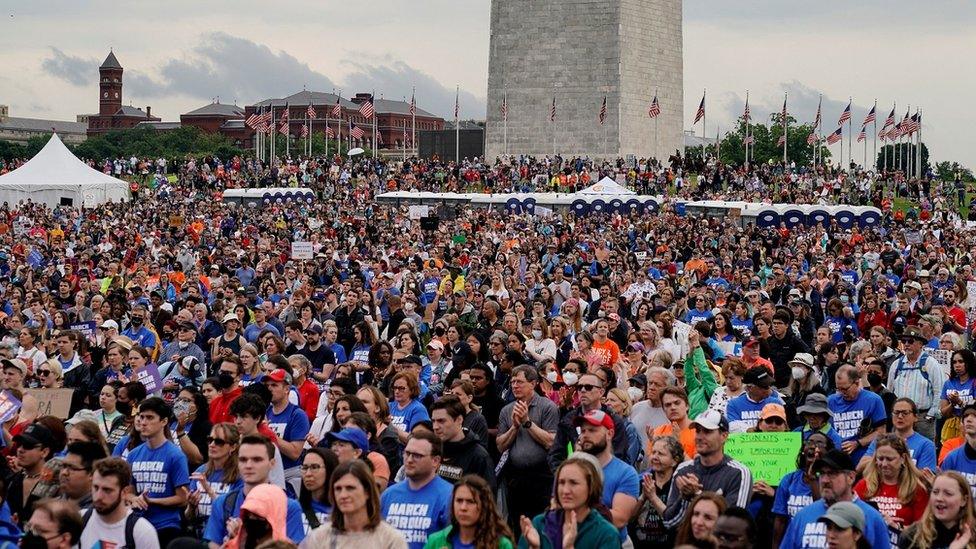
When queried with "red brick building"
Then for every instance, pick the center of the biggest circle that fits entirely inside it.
(112, 114)
(392, 117)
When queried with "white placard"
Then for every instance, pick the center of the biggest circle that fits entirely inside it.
(419, 210)
(943, 357)
(971, 291)
(302, 250)
(680, 332)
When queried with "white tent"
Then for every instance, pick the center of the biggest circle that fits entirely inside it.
(606, 187)
(56, 177)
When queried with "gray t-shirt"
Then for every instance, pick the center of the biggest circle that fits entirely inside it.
(643, 415)
(526, 453)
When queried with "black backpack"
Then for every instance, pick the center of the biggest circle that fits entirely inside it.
(130, 527)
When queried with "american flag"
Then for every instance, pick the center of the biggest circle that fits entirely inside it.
(603, 111)
(413, 104)
(883, 134)
(913, 124)
(284, 115)
(701, 110)
(266, 117)
(871, 117)
(895, 132)
(379, 138)
(655, 109)
(846, 115)
(863, 135)
(818, 119)
(747, 112)
(836, 136)
(505, 108)
(357, 132)
(552, 111)
(457, 102)
(366, 108)
(784, 111)
(252, 121)
(284, 130)
(329, 132)
(781, 141)
(812, 138)
(310, 111)
(337, 109)
(891, 118)
(304, 132)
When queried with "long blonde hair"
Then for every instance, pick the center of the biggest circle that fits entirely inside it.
(925, 530)
(909, 477)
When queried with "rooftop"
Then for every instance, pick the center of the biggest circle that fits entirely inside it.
(217, 109)
(42, 125)
(111, 62)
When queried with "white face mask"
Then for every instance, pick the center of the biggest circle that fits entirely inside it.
(552, 377)
(184, 344)
(537, 334)
(799, 372)
(570, 378)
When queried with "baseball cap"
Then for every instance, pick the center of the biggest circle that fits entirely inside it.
(711, 420)
(436, 344)
(278, 375)
(110, 324)
(640, 380)
(635, 346)
(352, 435)
(751, 341)
(835, 459)
(314, 328)
(14, 363)
(187, 326)
(598, 418)
(773, 410)
(36, 434)
(318, 296)
(758, 375)
(844, 514)
(82, 415)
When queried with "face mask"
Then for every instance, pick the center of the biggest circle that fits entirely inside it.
(844, 299)
(408, 307)
(537, 334)
(184, 344)
(33, 541)
(570, 378)
(874, 379)
(136, 321)
(225, 381)
(799, 372)
(125, 409)
(553, 377)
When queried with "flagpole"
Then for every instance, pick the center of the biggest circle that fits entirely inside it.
(413, 119)
(704, 121)
(874, 159)
(786, 128)
(404, 141)
(505, 123)
(656, 151)
(372, 100)
(457, 125)
(746, 138)
(865, 154)
(850, 132)
(919, 147)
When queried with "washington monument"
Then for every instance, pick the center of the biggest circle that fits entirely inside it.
(567, 56)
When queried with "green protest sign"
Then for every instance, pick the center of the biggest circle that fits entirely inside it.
(768, 455)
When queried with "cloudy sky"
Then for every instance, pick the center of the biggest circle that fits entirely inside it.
(179, 55)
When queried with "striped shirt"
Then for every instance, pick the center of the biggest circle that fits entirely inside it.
(920, 381)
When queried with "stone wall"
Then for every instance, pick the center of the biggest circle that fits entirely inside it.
(579, 51)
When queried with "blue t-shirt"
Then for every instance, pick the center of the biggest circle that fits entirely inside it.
(920, 448)
(340, 353)
(408, 416)
(965, 390)
(158, 472)
(695, 316)
(804, 530)
(743, 325)
(216, 480)
(836, 325)
(143, 336)
(619, 477)
(848, 416)
(290, 425)
(958, 461)
(216, 529)
(743, 413)
(417, 513)
(792, 494)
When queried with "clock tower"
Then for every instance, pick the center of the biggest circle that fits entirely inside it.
(109, 86)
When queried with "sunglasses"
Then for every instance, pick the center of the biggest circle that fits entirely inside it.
(44, 372)
(588, 387)
(217, 441)
(775, 420)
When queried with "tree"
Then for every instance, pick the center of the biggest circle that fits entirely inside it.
(948, 171)
(905, 153)
(766, 146)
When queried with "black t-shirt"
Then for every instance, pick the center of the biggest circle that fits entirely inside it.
(319, 357)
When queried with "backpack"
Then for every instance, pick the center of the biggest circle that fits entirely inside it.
(921, 369)
(229, 503)
(130, 527)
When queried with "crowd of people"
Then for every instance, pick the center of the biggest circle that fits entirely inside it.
(539, 381)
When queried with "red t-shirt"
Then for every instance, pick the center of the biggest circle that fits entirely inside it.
(308, 398)
(890, 506)
(220, 406)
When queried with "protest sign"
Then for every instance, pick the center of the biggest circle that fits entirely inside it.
(971, 290)
(52, 402)
(149, 376)
(418, 211)
(86, 328)
(302, 250)
(730, 348)
(943, 357)
(768, 455)
(8, 406)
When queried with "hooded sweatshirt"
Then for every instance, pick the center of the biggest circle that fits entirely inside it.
(466, 456)
(270, 503)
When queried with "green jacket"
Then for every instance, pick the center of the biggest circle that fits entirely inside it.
(595, 532)
(699, 382)
(442, 540)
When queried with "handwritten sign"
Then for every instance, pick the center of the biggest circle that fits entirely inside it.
(768, 455)
(302, 250)
(52, 402)
(8, 406)
(149, 376)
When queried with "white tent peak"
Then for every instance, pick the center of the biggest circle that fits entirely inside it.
(606, 186)
(55, 174)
